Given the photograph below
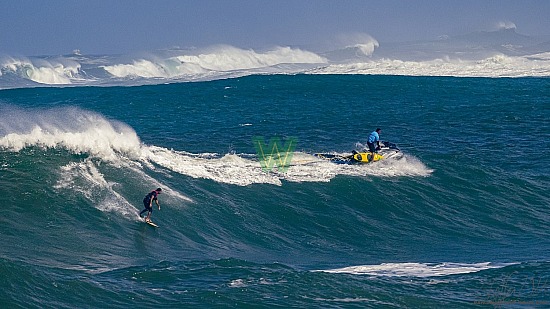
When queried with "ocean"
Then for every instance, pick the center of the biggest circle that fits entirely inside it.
(460, 220)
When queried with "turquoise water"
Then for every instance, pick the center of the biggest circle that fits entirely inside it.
(461, 219)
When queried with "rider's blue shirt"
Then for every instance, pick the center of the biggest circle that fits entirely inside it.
(374, 137)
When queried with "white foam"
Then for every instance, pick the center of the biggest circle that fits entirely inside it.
(415, 269)
(243, 171)
(139, 68)
(306, 167)
(540, 56)
(238, 283)
(498, 65)
(216, 59)
(229, 58)
(230, 168)
(355, 300)
(168, 68)
(85, 178)
(74, 129)
(171, 195)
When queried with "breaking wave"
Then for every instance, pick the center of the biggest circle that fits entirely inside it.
(74, 129)
(220, 59)
(60, 71)
(499, 65)
(500, 53)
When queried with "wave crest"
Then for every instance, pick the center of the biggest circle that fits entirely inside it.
(219, 59)
(229, 58)
(51, 72)
(74, 129)
(360, 41)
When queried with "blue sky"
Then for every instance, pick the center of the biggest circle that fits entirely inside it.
(57, 27)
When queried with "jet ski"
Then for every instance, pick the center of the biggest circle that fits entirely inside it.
(386, 150)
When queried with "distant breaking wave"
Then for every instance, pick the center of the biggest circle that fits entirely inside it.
(537, 65)
(22, 73)
(59, 71)
(222, 59)
(502, 53)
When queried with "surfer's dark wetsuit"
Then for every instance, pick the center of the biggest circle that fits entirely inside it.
(147, 202)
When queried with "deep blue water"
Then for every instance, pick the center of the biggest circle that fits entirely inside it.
(461, 220)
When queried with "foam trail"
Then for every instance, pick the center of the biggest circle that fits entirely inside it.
(169, 193)
(415, 269)
(230, 168)
(85, 178)
(308, 167)
(238, 170)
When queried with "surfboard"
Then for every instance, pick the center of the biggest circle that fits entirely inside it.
(151, 223)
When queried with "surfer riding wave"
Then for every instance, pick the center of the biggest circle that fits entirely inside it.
(148, 203)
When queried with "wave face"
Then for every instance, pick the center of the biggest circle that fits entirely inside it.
(500, 53)
(460, 219)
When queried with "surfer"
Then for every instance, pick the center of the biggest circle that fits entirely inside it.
(374, 141)
(148, 203)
